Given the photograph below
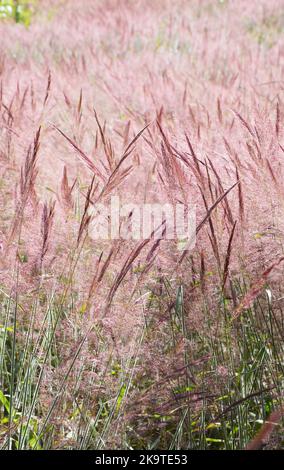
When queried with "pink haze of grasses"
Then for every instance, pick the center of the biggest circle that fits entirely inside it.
(77, 86)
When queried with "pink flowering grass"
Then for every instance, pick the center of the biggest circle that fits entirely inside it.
(141, 343)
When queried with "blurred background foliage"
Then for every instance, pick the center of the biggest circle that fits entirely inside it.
(20, 11)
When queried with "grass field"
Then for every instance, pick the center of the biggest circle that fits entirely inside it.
(116, 343)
